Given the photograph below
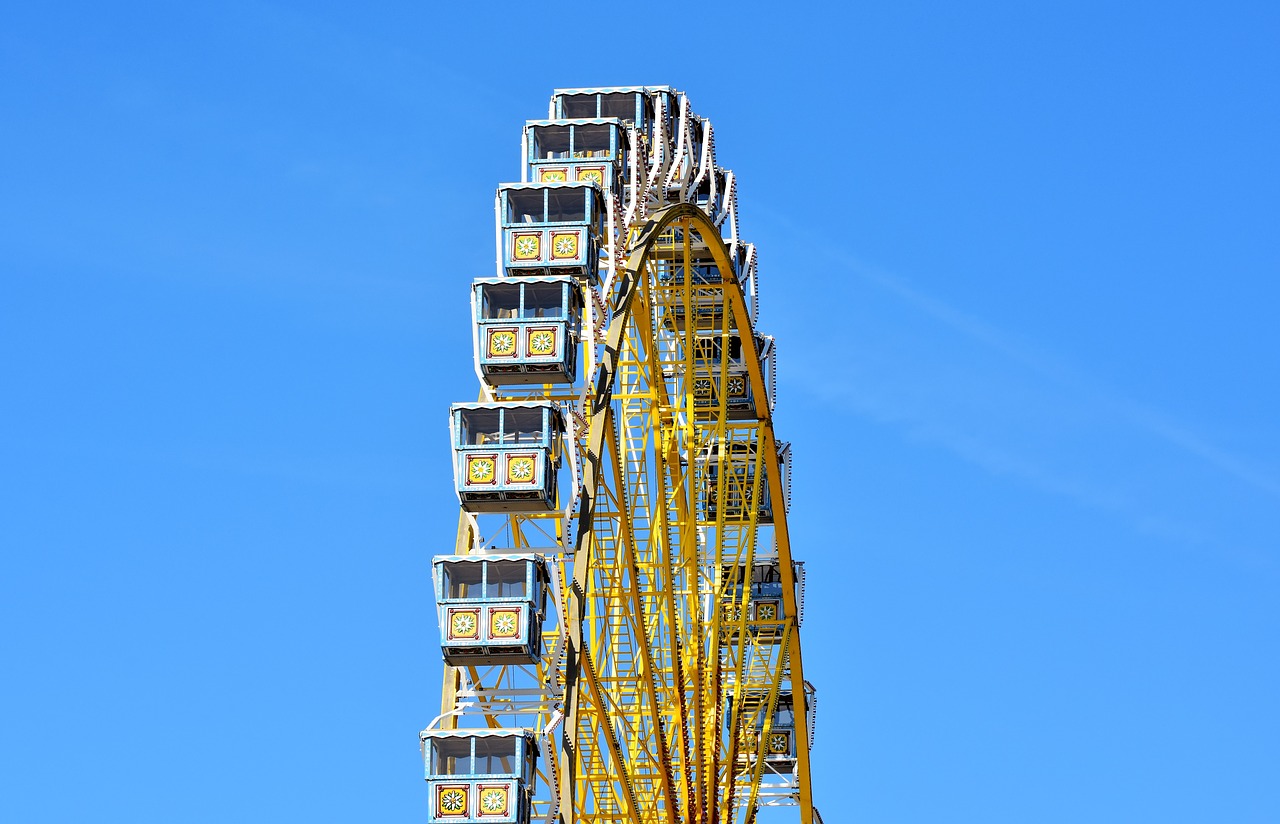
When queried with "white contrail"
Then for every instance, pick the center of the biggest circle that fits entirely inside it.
(1151, 422)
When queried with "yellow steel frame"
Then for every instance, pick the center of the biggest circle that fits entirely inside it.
(648, 675)
(654, 650)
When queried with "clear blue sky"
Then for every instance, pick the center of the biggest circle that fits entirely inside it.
(1022, 262)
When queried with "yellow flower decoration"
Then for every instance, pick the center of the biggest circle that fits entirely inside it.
(493, 800)
(767, 612)
(453, 801)
(528, 247)
(542, 342)
(503, 624)
(462, 624)
(480, 470)
(564, 246)
(520, 470)
(737, 386)
(592, 175)
(779, 743)
(501, 343)
(553, 176)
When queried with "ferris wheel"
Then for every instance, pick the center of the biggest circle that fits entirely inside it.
(620, 616)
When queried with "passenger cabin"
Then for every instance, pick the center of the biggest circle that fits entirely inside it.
(766, 608)
(730, 486)
(588, 150)
(634, 105)
(479, 775)
(507, 455)
(710, 362)
(779, 745)
(551, 228)
(527, 329)
(491, 608)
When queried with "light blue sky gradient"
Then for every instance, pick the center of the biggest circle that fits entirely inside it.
(1022, 263)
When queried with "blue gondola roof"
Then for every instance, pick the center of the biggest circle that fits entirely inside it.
(577, 121)
(560, 184)
(482, 732)
(487, 281)
(489, 556)
(530, 404)
(614, 90)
